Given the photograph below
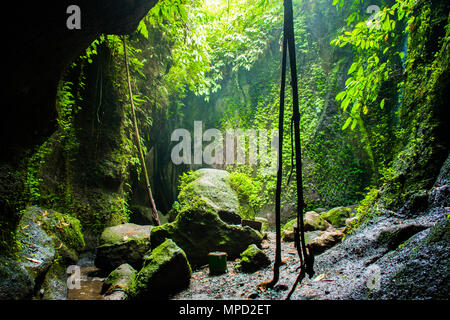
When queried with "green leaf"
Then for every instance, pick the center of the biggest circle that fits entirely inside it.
(353, 124)
(352, 67)
(143, 29)
(347, 123)
(345, 103)
(340, 96)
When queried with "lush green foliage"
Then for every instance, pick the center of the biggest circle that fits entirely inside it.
(248, 192)
(372, 42)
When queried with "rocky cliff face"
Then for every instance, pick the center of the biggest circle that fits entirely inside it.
(39, 47)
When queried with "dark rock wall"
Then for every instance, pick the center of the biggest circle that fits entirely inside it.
(39, 47)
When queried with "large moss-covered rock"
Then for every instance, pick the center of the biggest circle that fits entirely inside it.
(213, 186)
(166, 270)
(198, 230)
(119, 279)
(49, 242)
(337, 216)
(125, 243)
(312, 222)
(16, 283)
(54, 286)
(253, 259)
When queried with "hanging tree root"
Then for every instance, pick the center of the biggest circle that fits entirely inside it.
(138, 140)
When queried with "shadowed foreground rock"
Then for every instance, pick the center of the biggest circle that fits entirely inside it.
(118, 282)
(125, 243)
(198, 230)
(166, 270)
(253, 259)
(50, 241)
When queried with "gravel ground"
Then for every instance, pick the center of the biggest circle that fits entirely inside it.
(238, 285)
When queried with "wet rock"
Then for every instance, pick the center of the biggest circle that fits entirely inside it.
(16, 283)
(119, 279)
(417, 202)
(229, 217)
(287, 235)
(420, 269)
(393, 236)
(325, 241)
(313, 221)
(166, 270)
(198, 230)
(54, 286)
(125, 243)
(439, 196)
(337, 216)
(50, 241)
(253, 259)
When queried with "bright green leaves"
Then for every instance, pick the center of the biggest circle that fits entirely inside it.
(207, 37)
(352, 67)
(373, 44)
(338, 3)
(382, 103)
(347, 123)
(142, 28)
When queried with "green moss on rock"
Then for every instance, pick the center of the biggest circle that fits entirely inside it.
(125, 243)
(49, 241)
(198, 230)
(337, 216)
(214, 188)
(120, 278)
(264, 224)
(166, 270)
(253, 259)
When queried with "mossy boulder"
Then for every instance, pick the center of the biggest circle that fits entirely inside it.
(125, 243)
(253, 259)
(324, 241)
(312, 222)
(214, 188)
(54, 287)
(49, 242)
(287, 231)
(119, 279)
(198, 230)
(288, 235)
(337, 216)
(16, 283)
(166, 270)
